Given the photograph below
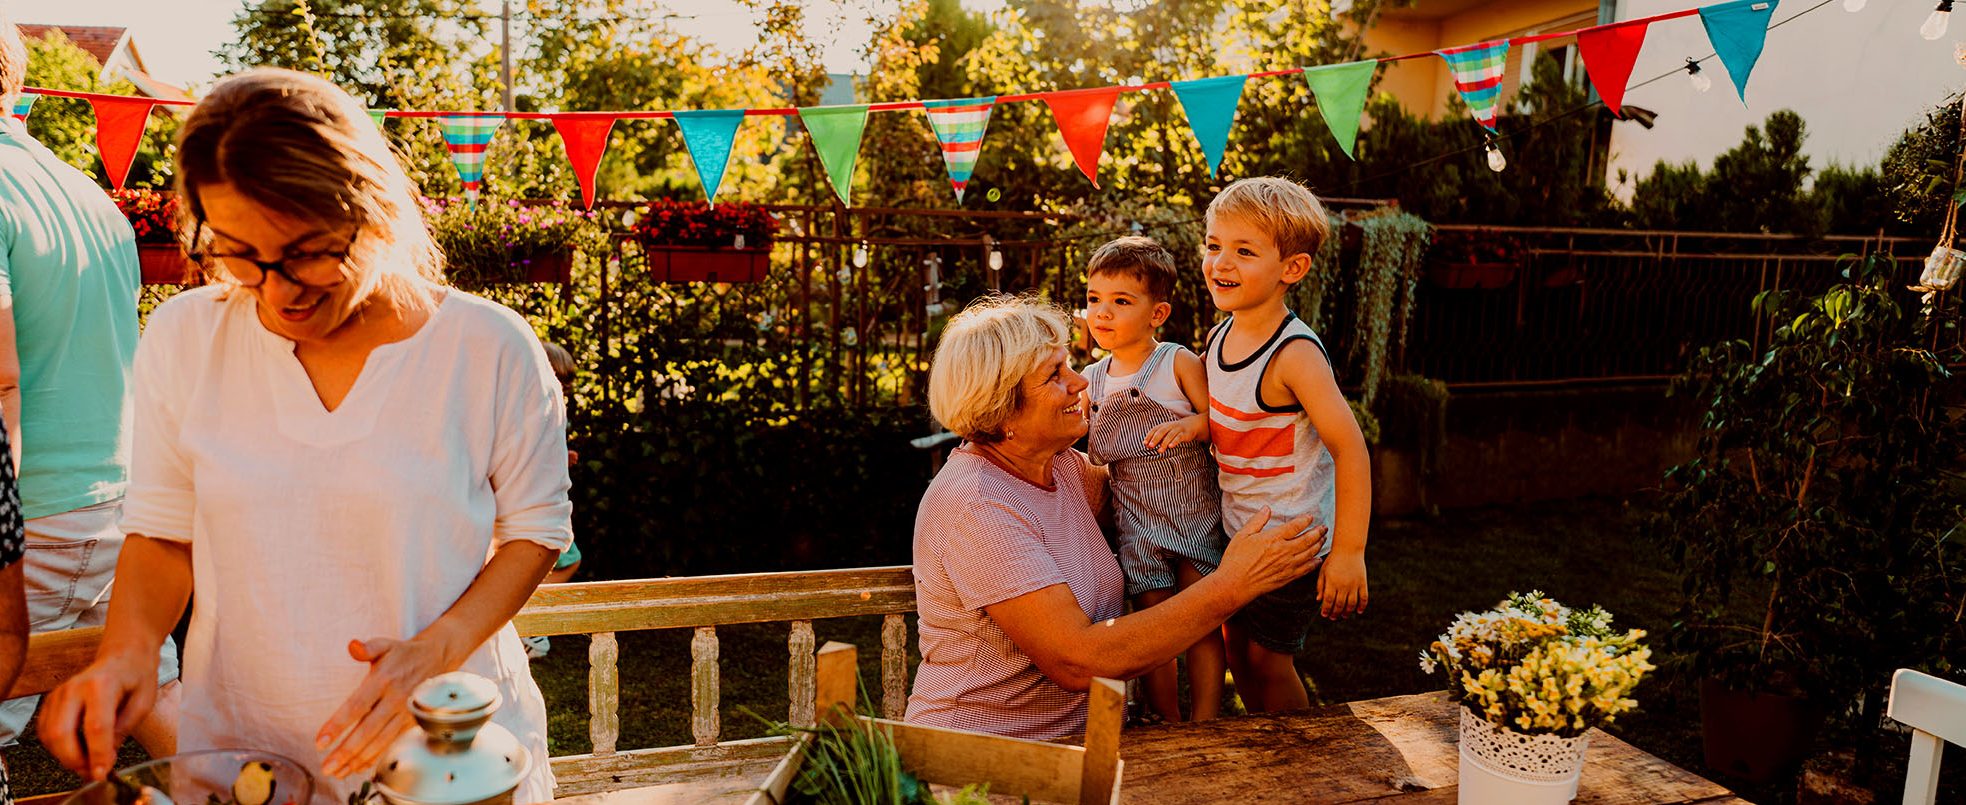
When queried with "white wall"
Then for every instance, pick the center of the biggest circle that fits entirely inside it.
(1858, 80)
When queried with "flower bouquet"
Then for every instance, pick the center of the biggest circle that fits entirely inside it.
(153, 217)
(1532, 677)
(506, 242)
(691, 241)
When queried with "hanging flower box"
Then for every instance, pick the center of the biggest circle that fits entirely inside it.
(166, 265)
(691, 241)
(702, 264)
(1472, 259)
(507, 242)
(1471, 276)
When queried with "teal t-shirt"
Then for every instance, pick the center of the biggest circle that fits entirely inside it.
(68, 258)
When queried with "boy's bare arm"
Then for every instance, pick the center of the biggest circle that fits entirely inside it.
(1193, 379)
(1307, 377)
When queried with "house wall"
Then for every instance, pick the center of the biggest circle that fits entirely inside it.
(1425, 85)
(1858, 80)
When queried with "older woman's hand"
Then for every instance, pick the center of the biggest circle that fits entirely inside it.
(1264, 559)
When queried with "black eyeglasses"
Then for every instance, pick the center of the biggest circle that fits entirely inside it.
(313, 269)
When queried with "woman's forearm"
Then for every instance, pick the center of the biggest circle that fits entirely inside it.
(497, 594)
(1130, 646)
(153, 584)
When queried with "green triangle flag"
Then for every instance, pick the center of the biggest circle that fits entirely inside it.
(836, 135)
(376, 115)
(1341, 90)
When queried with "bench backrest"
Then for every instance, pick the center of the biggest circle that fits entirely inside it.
(1936, 712)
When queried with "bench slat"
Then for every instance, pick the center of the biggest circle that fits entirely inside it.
(603, 692)
(685, 603)
(705, 724)
(802, 680)
(894, 667)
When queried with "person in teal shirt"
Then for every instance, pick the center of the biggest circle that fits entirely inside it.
(68, 334)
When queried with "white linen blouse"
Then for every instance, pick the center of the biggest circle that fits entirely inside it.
(310, 528)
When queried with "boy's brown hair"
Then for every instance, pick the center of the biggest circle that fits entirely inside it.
(1141, 258)
(1287, 212)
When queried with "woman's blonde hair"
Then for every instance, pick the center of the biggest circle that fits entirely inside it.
(301, 147)
(976, 382)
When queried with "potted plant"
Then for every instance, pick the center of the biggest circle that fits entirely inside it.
(1532, 677)
(1473, 260)
(1816, 526)
(153, 216)
(507, 242)
(691, 241)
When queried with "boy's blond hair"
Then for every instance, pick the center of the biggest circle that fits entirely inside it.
(1291, 215)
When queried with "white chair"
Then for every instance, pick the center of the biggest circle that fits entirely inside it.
(1936, 712)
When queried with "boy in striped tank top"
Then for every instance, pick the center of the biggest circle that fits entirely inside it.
(1284, 438)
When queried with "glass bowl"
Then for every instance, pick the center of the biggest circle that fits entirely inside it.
(207, 777)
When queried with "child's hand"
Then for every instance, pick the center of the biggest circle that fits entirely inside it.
(1342, 587)
(1179, 432)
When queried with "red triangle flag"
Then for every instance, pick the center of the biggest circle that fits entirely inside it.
(1083, 115)
(119, 128)
(586, 139)
(1608, 54)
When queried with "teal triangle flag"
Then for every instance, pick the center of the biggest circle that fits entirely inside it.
(1211, 106)
(836, 136)
(1737, 31)
(708, 135)
(1341, 91)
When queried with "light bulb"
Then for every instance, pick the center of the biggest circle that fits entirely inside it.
(1496, 162)
(996, 260)
(860, 256)
(1700, 80)
(1935, 25)
(1853, 6)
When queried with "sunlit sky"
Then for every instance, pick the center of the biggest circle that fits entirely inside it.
(176, 37)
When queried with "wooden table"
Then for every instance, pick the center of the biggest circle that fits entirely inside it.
(1402, 750)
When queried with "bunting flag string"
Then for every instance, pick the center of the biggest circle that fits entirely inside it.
(708, 135)
(1083, 115)
(1211, 105)
(467, 136)
(1737, 31)
(586, 139)
(959, 125)
(1609, 53)
(24, 105)
(1340, 90)
(119, 128)
(1478, 72)
(835, 134)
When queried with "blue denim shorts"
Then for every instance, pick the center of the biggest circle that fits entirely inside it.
(1280, 619)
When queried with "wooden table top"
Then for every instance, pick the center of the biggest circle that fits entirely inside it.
(1402, 749)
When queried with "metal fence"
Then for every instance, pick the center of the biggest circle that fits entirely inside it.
(1584, 304)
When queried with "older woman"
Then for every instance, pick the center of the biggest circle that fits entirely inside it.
(329, 445)
(1020, 598)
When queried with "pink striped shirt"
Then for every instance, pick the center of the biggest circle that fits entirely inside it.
(984, 536)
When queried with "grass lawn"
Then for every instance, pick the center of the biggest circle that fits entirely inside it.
(1422, 573)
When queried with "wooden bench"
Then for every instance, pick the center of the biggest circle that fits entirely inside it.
(603, 609)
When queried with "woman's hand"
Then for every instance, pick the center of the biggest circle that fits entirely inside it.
(1267, 558)
(378, 712)
(85, 719)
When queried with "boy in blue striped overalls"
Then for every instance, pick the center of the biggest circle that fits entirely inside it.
(1149, 427)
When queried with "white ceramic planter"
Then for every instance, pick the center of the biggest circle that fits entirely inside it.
(1500, 766)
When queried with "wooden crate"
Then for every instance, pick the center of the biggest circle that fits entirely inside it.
(1013, 767)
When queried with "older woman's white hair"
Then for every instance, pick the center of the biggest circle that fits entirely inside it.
(976, 382)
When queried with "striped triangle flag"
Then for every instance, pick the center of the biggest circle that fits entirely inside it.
(1478, 72)
(23, 104)
(467, 137)
(959, 126)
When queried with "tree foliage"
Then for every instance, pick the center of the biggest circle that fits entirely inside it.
(67, 126)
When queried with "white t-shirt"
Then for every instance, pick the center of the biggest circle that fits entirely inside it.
(309, 528)
(1164, 387)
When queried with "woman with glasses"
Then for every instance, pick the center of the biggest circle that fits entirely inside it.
(329, 445)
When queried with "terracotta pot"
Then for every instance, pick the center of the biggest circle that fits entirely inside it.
(1755, 735)
(166, 265)
(705, 264)
(1471, 276)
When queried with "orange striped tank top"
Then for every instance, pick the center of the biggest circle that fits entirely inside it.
(1267, 455)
